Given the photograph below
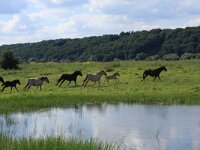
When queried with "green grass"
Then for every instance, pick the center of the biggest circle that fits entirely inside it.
(49, 143)
(179, 85)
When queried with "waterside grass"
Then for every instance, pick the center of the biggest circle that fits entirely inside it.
(179, 85)
(51, 143)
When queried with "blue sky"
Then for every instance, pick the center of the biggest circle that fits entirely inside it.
(35, 20)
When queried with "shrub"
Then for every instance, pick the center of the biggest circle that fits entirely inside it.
(170, 56)
(154, 57)
(141, 56)
(9, 61)
(197, 56)
(188, 56)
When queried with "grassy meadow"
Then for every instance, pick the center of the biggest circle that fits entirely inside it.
(179, 85)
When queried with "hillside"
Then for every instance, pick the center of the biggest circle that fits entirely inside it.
(153, 44)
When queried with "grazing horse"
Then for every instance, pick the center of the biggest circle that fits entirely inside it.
(112, 77)
(11, 84)
(69, 77)
(36, 82)
(94, 77)
(154, 72)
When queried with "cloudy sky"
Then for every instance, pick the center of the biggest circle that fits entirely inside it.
(35, 20)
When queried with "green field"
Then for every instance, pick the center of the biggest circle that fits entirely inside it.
(179, 85)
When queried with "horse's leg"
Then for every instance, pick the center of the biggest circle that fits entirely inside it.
(99, 83)
(16, 88)
(159, 78)
(29, 86)
(69, 83)
(3, 89)
(94, 83)
(36, 88)
(154, 78)
(86, 82)
(75, 82)
(61, 82)
(11, 88)
(108, 81)
(117, 80)
(26, 85)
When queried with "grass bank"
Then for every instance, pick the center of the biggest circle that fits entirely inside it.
(179, 85)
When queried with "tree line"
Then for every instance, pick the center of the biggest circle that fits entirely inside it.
(167, 44)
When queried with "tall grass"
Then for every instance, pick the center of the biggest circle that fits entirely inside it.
(57, 143)
(179, 85)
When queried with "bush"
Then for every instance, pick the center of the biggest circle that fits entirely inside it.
(92, 58)
(197, 56)
(154, 57)
(170, 56)
(141, 56)
(9, 61)
(188, 56)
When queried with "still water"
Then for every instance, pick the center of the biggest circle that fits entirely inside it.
(134, 126)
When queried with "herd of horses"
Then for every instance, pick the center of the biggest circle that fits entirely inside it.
(38, 82)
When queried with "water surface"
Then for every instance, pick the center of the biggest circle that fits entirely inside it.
(136, 126)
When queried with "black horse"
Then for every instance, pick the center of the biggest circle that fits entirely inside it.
(154, 72)
(11, 84)
(69, 77)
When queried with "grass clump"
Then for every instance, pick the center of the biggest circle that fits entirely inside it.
(52, 143)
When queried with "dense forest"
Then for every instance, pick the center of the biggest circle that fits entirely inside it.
(167, 44)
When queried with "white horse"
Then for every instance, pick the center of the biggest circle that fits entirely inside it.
(112, 77)
(94, 77)
(36, 82)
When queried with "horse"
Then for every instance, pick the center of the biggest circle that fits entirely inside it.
(94, 77)
(153, 73)
(36, 82)
(11, 84)
(112, 77)
(69, 77)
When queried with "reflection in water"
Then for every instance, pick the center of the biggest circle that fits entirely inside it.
(136, 126)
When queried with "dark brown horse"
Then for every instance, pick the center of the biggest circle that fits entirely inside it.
(153, 73)
(69, 77)
(11, 84)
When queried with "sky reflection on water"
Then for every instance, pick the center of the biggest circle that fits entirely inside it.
(136, 126)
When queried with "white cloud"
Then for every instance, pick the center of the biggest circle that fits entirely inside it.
(10, 25)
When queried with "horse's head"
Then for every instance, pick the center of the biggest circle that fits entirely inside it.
(78, 73)
(102, 72)
(164, 68)
(18, 82)
(45, 79)
(116, 74)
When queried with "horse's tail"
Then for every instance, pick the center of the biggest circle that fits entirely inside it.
(60, 79)
(85, 79)
(28, 83)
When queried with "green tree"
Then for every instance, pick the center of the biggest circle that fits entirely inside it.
(9, 61)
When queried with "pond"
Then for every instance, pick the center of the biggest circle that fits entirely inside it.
(135, 126)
